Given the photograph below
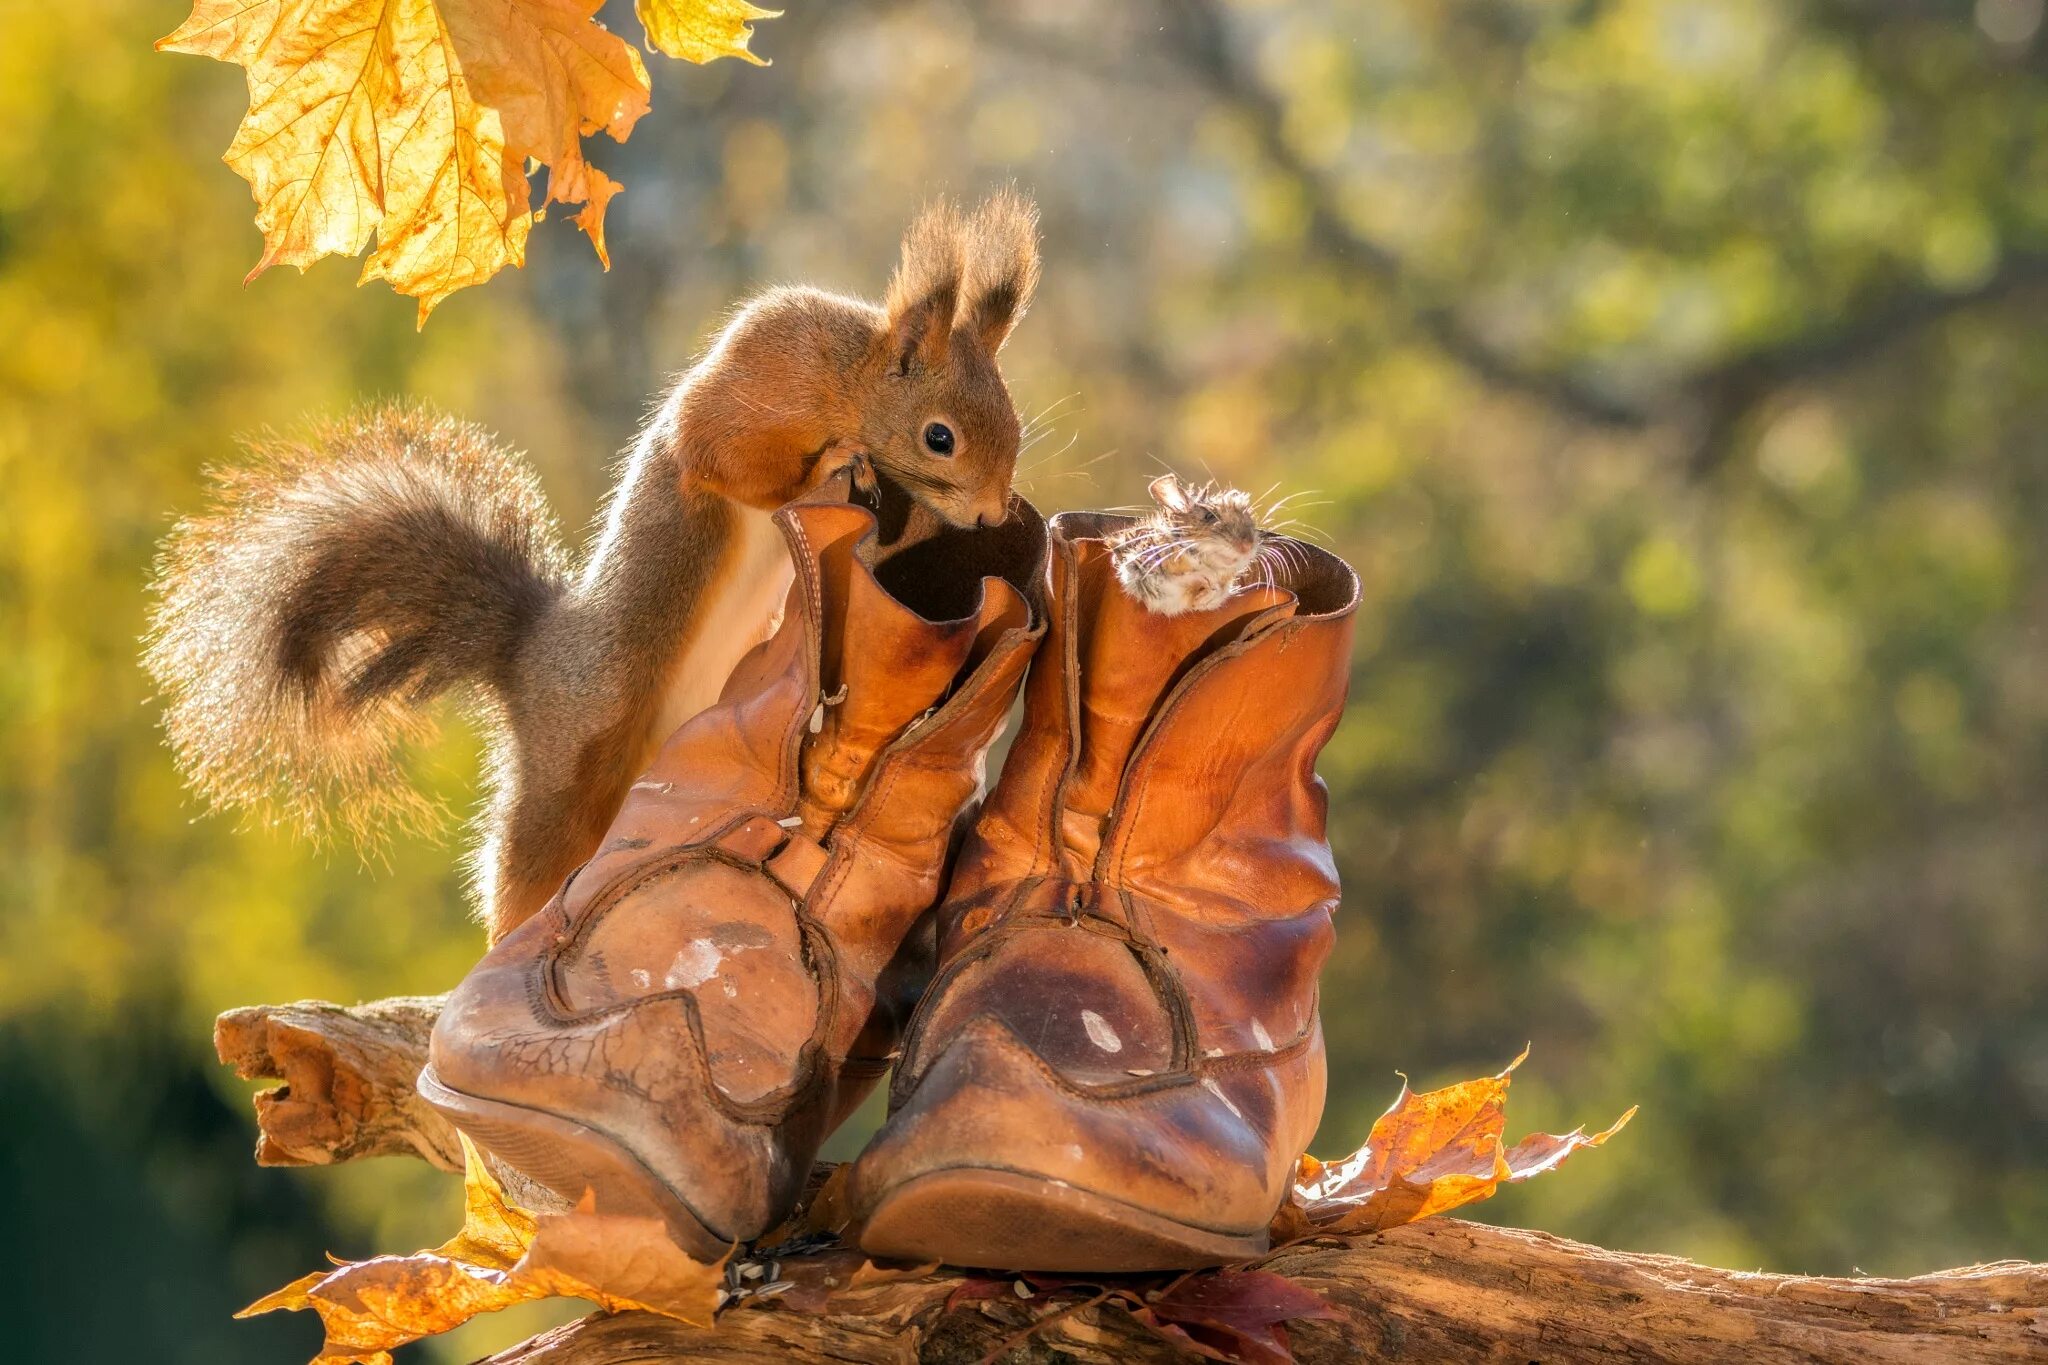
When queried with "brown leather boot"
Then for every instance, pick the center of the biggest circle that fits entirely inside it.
(706, 998)
(1120, 1058)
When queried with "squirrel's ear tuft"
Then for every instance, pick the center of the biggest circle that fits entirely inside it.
(1002, 264)
(925, 289)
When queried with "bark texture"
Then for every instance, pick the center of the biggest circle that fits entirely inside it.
(1440, 1289)
(348, 1080)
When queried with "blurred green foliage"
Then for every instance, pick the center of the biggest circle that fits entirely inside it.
(1673, 371)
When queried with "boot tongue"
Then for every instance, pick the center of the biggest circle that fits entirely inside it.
(883, 666)
(1129, 659)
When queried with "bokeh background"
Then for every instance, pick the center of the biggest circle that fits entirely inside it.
(1674, 371)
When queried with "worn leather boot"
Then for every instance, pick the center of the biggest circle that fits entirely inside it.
(1120, 1059)
(705, 999)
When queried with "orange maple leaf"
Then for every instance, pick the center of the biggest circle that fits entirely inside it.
(502, 1256)
(698, 30)
(415, 120)
(1428, 1153)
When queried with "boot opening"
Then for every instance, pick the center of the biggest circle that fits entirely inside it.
(936, 569)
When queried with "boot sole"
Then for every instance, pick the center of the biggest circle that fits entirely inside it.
(1000, 1219)
(569, 1158)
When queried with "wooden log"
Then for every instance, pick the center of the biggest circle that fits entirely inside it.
(348, 1078)
(1440, 1289)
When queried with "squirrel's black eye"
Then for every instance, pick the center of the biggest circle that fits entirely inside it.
(938, 438)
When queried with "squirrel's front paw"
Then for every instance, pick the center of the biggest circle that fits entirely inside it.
(842, 454)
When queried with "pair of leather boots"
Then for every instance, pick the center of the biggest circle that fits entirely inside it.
(1097, 992)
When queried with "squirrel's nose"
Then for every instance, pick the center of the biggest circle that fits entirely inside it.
(997, 517)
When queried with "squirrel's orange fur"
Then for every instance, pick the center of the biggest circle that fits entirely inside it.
(342, 581)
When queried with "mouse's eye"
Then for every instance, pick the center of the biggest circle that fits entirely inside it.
(938, 438)
(1208, 515)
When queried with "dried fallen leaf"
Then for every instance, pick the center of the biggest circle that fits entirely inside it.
(820, 1276)
(1235, 1315)
(975, 1288)
(495, 1232)
(415, 121)
(502, 1256)
(618, 1262)
(1426, 1154)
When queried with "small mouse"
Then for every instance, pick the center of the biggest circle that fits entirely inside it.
(1192, 552)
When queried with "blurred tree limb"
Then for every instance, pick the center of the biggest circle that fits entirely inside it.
(1443, 1288)
(347, 1078)
(1710, 403)
(1198, 36)
(1731, 389)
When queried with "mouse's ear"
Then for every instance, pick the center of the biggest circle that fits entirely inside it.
(1167, 492)
(926, 286)
(1002, 265)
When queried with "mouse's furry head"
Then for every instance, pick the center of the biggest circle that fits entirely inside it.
(1191, 553)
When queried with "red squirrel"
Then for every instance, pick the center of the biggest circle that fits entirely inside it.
(341, 582)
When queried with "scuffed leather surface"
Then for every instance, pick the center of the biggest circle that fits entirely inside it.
(696, 989)
(1126, 997)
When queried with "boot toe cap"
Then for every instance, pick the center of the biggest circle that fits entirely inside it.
(617, 1104)
(995, 1159)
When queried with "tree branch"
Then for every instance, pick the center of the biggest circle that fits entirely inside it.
(348, 1080)
(1731, 389)
(1439, 1289)
(1197, 33)
(1717, 398)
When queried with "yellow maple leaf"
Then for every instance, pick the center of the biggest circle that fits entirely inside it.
(1428, 1153)
(502, 1256)
(414, 121)
(702, 30)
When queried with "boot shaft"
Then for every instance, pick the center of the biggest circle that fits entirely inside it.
(1169, 755)
(679, 1027)
(1120, 1057)
(859, 729)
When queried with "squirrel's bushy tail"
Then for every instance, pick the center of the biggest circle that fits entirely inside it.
(339, 582)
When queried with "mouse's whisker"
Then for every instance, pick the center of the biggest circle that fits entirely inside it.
(1290, 501)
(1294, 526)
(1155, 555)
(1264, 565)
(1302, 506)
(1282, 556)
